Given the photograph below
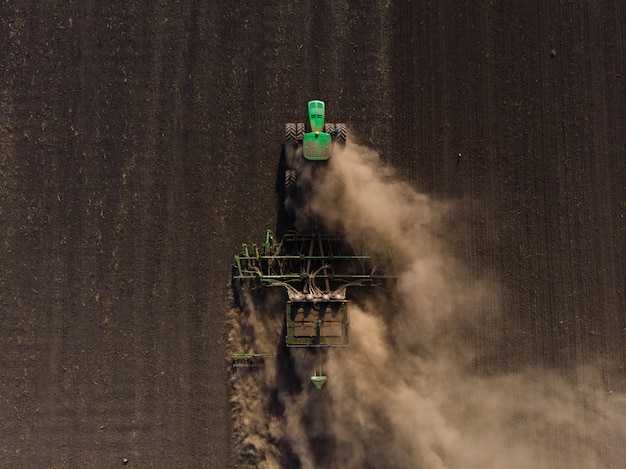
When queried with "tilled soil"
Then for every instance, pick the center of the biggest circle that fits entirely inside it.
(139, 146)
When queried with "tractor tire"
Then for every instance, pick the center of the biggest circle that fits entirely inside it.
(290, 183)
(329, 128)
(290, 133)
(299, 130)
(341, 134)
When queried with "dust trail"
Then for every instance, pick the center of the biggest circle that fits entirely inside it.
(255, 328)
(404, 394)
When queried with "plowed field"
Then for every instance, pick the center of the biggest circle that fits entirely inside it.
(139, 146)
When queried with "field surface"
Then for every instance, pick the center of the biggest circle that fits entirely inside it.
(139, 147)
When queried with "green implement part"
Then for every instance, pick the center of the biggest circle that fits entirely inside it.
(318, 381)
(250, 360)
(318, 378)
(312, 263)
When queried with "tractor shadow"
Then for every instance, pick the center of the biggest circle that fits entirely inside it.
(297, 199)
(285, 218)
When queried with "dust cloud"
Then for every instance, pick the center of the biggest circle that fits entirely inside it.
(405, 393)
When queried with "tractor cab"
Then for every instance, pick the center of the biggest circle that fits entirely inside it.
(316, 115)
(316, 144)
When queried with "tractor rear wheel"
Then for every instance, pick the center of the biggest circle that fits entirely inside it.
(290, 133)
(290, 183)
(341, 134)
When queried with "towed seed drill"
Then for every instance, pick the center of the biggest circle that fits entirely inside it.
(315, 268)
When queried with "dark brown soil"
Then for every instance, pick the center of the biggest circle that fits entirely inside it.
(139, 145)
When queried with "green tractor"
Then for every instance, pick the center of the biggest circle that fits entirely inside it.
(315, 268)
(310, 141)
